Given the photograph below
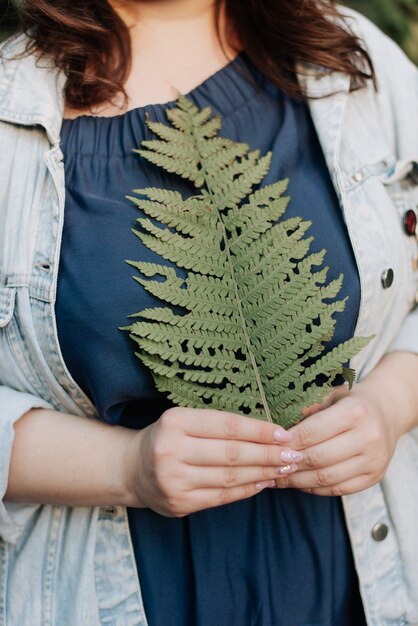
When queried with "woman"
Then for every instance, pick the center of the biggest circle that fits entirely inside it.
(228, 520)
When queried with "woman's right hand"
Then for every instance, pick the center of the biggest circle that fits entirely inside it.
(194, 459)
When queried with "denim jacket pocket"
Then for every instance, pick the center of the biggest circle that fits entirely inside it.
(361, 172)
(405, 172)
(401, 181)
(7, 303)
(26, 356)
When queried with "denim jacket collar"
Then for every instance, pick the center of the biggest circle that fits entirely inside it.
(327, 93)
(31, 91)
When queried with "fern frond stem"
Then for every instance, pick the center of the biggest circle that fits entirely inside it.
(244, 325)
(237, 298)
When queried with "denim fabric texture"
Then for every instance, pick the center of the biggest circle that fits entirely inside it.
(64, 566)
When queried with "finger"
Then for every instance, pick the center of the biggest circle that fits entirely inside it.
(209, 498)
(211, 424)
(233, 476)
(332, 451)
(343, 489)
(320, 427)
(325, 477)
(218, 452)
(339, 392)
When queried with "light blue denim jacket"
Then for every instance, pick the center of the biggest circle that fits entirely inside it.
(64, 566)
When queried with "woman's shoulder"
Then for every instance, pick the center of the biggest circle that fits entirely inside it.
(14, 51)
(17, 52)
(31, 88)
(388, 58)
(12, 46)
(363, 27)
(396, 97)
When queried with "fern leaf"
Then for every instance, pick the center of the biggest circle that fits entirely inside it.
(349, 375)
(256, 310)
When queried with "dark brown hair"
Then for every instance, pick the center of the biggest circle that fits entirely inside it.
(91, 43)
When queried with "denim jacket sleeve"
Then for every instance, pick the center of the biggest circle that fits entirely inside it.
(407, 176)
(13, 405)
(398, 100)
(403, 94)
(16, 395)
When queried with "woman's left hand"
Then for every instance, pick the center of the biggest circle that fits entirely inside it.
(349, 441)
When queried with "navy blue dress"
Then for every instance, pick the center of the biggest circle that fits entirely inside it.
(281, 558)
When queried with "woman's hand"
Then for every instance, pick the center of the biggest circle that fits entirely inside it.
(348, 443)
(347, 448)
(193, 459)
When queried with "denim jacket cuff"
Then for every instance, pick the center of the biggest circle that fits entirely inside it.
(13, 405)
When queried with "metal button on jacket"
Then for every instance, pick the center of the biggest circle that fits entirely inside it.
(410, 222)
(380, 532)
(108, 510)
(387, 278)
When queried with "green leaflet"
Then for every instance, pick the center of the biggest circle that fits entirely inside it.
(256, 310)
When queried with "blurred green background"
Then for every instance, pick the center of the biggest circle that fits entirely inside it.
(398, 18)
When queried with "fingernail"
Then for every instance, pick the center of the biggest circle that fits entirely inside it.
(282, 435)
(264, 484)
(287, 469)
(291, 456)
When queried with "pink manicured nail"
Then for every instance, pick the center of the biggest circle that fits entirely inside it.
(287, 469)
(282, 435)
(291, 456)
(264, 484)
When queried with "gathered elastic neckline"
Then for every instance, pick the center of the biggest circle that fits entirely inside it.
(226, 92)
